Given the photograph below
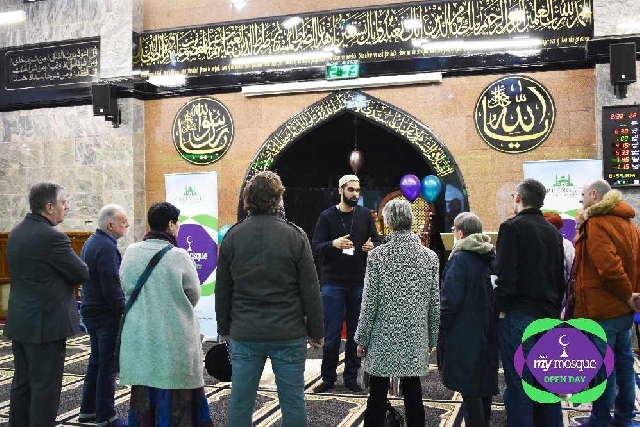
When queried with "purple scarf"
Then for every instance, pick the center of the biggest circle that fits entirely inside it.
(161, 235)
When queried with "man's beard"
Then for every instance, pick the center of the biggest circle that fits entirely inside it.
(349, 202)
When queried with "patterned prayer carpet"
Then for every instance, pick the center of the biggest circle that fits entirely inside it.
(340, 407)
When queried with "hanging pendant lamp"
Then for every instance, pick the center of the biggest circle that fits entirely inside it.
(355, 157)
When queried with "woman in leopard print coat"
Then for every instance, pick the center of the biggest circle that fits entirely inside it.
(399, 316)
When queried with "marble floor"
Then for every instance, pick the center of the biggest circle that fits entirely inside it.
(340, 407)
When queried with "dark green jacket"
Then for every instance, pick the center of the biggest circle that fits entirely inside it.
(266, 283)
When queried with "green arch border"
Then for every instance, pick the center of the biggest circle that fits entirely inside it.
(395, 120)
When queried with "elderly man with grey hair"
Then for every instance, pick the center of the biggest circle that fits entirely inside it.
(468, 342)
(102, 306)
(399, 317)
(42, 306)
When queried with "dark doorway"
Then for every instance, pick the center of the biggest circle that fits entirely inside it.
(310, 168)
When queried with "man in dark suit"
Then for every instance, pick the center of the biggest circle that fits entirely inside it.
(42, 306)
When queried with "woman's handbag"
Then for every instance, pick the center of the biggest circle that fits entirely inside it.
(134, 295)
(218, 363)
(392, 417)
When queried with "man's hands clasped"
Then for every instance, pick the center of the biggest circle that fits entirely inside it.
(342, 243)
(345, 242)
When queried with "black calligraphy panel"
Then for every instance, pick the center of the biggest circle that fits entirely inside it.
(55, 64)
(515, 114)
(202, 131)
(366, 34)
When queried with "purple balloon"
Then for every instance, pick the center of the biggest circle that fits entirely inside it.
(410, 187)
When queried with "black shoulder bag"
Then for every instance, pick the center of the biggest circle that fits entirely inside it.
(392, 417)
(134, 295)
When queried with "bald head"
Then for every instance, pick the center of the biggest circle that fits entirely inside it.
(592, 193)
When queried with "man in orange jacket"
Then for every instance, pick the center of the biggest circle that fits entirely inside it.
(607, 277)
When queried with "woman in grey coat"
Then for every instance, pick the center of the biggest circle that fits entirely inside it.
(161, 353)
(399, 317)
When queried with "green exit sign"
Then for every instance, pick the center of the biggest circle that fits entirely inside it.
(342, 70)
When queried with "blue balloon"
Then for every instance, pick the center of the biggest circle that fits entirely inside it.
(430, 188)
(223, 232)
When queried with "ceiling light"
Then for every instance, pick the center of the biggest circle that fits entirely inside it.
(351, 29)
(13, 17)
(286, 57)
(291, 22)
(517, 15)
(324, 85)
(332, 48)
(444, 45)
(525, 43)
(412, 24)
(169, 80)
(239, 4)
(628, 27)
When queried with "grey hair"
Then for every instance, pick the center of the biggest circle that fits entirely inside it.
(43, 193)
(108, 214)
(600, 186)
(467, 222)
(532, 193)
(398, 215)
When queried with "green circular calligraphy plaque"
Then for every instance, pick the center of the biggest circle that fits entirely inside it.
(202, 131)
(515, 114)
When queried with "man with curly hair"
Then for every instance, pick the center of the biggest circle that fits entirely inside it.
(267, 302)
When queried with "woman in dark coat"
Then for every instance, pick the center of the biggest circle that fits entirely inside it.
(468, 342)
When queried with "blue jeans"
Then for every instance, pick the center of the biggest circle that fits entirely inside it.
(521, 410)
(287, 360)
(338, 301)
(618, 332)
(100, 379)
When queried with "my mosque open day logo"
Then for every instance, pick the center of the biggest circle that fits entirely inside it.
(564, 360)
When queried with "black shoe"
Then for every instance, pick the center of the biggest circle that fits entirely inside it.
(87, 418)
(353, 386)
(322, 387)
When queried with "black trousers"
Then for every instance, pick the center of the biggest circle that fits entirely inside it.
(476, 410)
(37, 382)
(378, 390)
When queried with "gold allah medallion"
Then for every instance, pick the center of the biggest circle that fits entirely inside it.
(515, 114)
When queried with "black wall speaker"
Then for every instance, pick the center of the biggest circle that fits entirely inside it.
(622, 61)
(104, 99)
